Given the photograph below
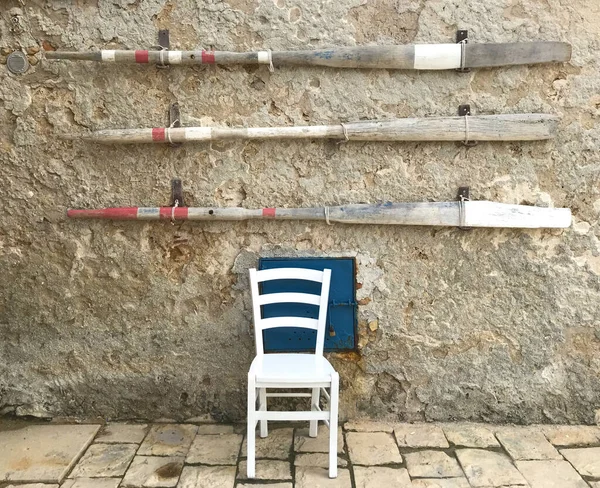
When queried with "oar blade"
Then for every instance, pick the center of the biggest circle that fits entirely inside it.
(507, 54)
(493, 214)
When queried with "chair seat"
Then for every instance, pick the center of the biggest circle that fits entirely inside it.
(291, 368)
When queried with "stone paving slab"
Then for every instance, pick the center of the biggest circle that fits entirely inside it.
(267, 469)
(489, 469)
(104, 461)
(585, 460)
(168, 440)
(304, 443)
(470, 435)
(420, 435)
(153, 471)
(572, 435)
(372, 448)
(215, 429)
(316, 459)
(550, 474)
(43, 453)
(380, 477)
(215, 449)
(432, 464)
(441, 483)
(33, 485)
(278, 444)
(207, 477)
(122, 433)
(319, 478)
(530, 446)
(91, 483)
(368, 426)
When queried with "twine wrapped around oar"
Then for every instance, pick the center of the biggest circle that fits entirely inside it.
(418, 56)
(508, 127)
(463, 214)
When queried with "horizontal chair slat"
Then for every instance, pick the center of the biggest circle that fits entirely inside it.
(307, 298)
(302, 322)
(291, 416)
(288, 395)
(289, 274)
(293, 384)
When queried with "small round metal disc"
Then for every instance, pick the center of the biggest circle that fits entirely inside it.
(17, 63)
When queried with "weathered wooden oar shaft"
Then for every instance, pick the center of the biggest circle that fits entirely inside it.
(508, 127)
(472, 214)
(418, 56)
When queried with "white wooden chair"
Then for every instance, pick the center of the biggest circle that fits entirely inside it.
(291, 371)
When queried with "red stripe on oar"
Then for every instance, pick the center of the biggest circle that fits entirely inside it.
(268, 212)
(208, 57)
(141, 56)
(158, 134)
(176, 213)
(104, 213)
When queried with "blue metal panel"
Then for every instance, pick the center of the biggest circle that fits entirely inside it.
(341, 317)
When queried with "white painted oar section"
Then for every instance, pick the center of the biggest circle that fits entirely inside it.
(502, 127)
(448, 214)
(438, 56)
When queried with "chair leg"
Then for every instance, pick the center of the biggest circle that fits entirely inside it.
(333, 424)
(316, 394)
(262, 401)
(251, 433)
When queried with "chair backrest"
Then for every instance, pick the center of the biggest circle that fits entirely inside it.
(302, 274)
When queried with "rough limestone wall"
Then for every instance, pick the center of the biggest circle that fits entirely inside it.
(133, 319)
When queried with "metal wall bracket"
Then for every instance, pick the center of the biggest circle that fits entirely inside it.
(462, 37)
(464, 195)
(174, 120)
(177, 193)
(163, 45)
(465, 111)
(163, 38)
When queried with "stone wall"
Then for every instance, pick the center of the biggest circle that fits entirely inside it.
(131, 319)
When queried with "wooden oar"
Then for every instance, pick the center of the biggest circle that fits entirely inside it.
(508, 127)
(418, 56)
(463, 214)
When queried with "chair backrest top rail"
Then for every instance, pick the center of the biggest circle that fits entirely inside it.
(289, 274)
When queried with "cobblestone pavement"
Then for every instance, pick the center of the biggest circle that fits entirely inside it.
(370, 454)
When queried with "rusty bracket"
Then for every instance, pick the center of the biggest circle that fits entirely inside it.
(174, 120)
(465, 111)
(464, 195)
(163, 45)
(163, 38)
(177, 193)
(462, 37)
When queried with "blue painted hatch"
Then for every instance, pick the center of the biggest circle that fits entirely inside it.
(341, 315)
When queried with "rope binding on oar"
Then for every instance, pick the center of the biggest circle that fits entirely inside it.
(266, 57)
(326, 210)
